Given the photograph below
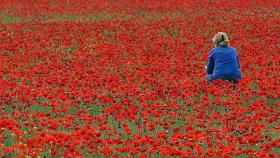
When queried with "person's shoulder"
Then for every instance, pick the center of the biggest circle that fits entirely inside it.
(212, 51)
(232, 48)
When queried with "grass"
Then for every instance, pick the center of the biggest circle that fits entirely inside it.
(6, 17)
(145, 17)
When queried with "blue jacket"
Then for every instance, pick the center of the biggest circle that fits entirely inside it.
(223, 63)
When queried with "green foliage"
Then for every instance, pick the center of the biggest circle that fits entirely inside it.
(6, 17)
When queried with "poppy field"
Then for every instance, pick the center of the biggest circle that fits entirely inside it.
(126, 78)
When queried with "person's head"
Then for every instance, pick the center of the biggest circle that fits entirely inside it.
(221, 39)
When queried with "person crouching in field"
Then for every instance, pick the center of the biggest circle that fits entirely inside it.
(223, 62)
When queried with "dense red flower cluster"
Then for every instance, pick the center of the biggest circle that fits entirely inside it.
(126, 79)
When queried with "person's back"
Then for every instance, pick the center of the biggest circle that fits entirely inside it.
(223, 62)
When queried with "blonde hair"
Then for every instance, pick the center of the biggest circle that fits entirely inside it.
(221, 39)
